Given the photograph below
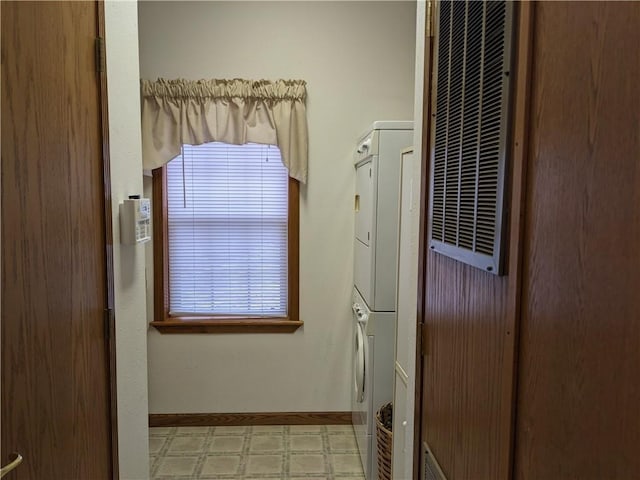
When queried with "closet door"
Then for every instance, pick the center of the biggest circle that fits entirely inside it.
(55, 371)
(468, 314)
(579, 380)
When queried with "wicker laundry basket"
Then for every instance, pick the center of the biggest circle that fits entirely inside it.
(385, 442)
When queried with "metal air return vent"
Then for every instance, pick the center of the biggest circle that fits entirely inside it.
(470, 130)
(430, 468)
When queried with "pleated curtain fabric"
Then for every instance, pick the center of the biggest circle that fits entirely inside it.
(185, 112)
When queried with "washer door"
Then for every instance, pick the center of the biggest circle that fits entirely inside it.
(360, 367)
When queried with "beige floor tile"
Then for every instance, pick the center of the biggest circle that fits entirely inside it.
(186, 444)
(305, 443)
(304, 429)
(339, 429)
(156, 444)
(307, 478)
(235, 430)
(303, 463)
(343, 443)
(346, 463)
(192, 430)
(264, 464)
(268, 429)
(266, 443)
(177, 467)
(221, 465)
(229, 443)
(257, 451)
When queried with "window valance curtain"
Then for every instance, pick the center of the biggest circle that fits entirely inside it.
(179, 112)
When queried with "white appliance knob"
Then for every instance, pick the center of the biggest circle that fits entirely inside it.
(364, 147)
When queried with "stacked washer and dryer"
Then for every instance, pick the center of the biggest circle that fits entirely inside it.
(377, 163)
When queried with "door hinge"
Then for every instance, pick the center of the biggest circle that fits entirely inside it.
(423, 339)
(369, 173)
(108, 317)
(429, 20)
(101, 58)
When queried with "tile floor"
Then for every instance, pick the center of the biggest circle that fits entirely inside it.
(292, 452)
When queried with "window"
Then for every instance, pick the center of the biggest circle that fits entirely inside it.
(226, 241)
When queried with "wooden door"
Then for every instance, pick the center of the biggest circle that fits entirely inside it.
(579, 377)
(55, 376)
(469, 320)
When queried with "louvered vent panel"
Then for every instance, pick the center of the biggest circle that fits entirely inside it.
(471, 93)
(440, 149)
(430, 468)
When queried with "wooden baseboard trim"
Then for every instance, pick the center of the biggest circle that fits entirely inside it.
(244, 419)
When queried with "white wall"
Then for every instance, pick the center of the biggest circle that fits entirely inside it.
(126, 178)
(357, 58)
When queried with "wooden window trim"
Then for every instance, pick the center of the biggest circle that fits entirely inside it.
(165, 323)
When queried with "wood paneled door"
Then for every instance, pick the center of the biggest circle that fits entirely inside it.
(579, 377)
(469, 318)
(55, 374)
(535, 375)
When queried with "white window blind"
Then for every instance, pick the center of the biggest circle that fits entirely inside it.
(227, 230)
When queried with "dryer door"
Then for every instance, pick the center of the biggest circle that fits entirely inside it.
(364, 242)
(364, 202)
(360, 364)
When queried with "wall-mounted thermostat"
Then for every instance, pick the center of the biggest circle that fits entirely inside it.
(135, 220)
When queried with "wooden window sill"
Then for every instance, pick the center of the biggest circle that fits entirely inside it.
(249, 325)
